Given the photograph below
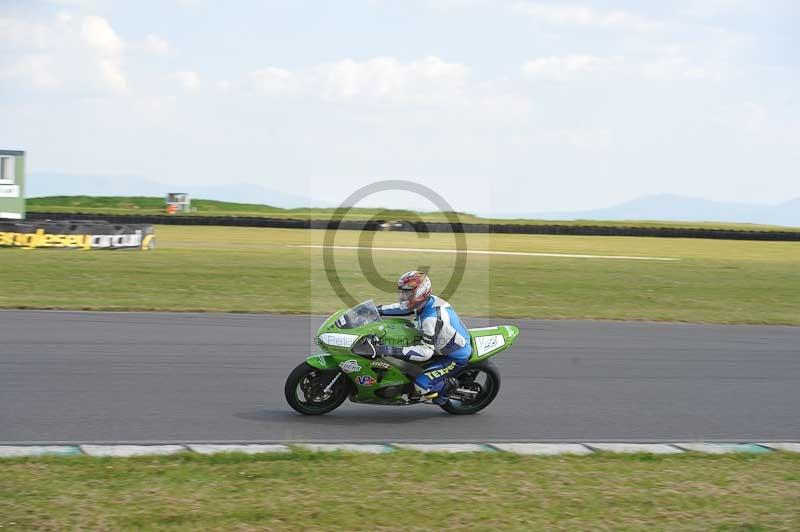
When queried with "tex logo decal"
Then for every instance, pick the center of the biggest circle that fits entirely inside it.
(435, 374)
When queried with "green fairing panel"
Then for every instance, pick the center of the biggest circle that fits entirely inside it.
(489, 341)
(366, 375)
(401, 333)
(322, 361)
(391, 331)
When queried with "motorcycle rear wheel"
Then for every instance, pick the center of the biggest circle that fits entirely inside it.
(304, 390)
(487, 390)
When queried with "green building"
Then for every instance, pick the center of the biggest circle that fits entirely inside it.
(12, 185)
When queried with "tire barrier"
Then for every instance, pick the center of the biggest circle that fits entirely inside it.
(431, 227)
(76, 234)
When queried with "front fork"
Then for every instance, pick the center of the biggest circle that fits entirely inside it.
(330, 385)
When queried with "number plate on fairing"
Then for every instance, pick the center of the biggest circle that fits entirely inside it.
(486, 344)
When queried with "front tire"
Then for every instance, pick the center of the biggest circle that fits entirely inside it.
(484, 378)
(305, 387)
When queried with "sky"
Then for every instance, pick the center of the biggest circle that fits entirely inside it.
(498, 106)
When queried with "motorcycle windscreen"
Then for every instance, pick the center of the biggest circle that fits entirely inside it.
(359, 315)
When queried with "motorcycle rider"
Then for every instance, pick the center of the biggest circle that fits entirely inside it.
(445, 340)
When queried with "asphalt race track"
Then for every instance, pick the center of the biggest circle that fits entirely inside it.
(154, 377)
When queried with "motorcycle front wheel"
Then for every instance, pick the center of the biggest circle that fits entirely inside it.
(306, 393)
(478, 385)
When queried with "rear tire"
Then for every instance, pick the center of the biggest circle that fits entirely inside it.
(304, 389)
(488, 390)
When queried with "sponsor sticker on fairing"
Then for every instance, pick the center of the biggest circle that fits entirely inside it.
(350, 366)
(487, 344)
(338, 339)
(365, 380)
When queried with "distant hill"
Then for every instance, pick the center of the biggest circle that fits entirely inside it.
(154, 205)
(142, 205)
(687, 209)
(655, 208)
(60, 184)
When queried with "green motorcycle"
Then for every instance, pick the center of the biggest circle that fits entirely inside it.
(350, 365)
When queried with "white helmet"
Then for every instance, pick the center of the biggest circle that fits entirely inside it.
(413, 290)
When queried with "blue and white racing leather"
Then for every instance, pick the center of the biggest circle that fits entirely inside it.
(442, 331)
(443, 335)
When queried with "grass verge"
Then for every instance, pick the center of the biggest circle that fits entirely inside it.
(267, 270)
(406, 490)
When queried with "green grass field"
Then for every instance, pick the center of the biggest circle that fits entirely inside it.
(155, 205)
(404, 491)
(262, 270)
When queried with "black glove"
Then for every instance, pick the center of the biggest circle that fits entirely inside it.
(392, 351)
(384, 350)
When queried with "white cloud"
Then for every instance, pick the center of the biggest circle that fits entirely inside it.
(112, 76)
(19, 35)
(98, 33)
(714, 8)
(445, 5)
(665, 65)
(583, 138)
(379, 80)
(565, 68)
(62, 51)
(85, 4)
(274, 81)
(676, 68)
(225, 85)
(578, 15)
(386, 79)
(155, 45)
(107, 46)
(391, 84)
(30, 63)
(587, 138)
(36, 69)
(188, 80)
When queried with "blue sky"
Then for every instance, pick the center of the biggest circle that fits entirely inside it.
(500, 106)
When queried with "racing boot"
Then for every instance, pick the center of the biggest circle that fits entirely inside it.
(424, 395)
(434, 397)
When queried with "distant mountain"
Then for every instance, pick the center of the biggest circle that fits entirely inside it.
(670, 207)
(666, 207)
(60, 184)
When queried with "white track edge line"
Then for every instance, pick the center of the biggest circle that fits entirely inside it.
(390, 446)
(487, 252)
